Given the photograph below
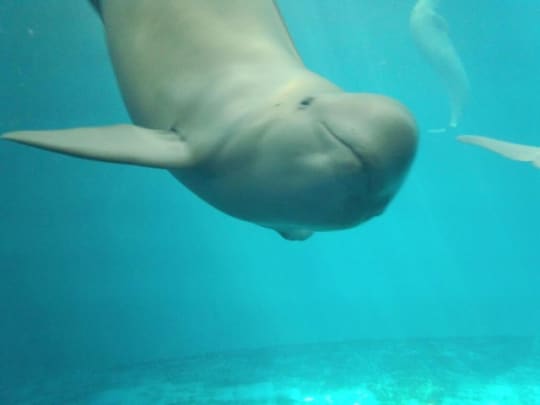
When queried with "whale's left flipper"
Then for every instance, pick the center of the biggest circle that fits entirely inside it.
(119, 143)
(514, 151)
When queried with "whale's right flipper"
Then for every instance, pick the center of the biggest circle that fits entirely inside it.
(514, 151)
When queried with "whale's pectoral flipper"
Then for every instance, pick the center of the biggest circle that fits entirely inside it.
(297, 234)
(514, 151)
(119, 143)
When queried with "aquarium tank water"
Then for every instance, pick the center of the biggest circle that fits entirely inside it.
(118, 285)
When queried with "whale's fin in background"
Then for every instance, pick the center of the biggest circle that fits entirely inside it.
(514, 151)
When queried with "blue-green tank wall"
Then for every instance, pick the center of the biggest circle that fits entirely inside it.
(104, 264)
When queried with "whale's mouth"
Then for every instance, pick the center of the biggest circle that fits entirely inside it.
(377, 203)
(327, 129)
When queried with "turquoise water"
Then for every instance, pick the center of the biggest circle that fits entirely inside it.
(104, 267)
(472, 371)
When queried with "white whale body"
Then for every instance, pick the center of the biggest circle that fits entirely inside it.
(430, 33)
(219, 97)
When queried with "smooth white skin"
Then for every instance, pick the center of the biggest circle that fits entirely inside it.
(240, 120)
(514, 151)
(430, 33)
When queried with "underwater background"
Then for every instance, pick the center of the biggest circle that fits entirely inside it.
(105, 266)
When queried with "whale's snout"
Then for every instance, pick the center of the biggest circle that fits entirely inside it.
(382, 133)
(337, 160)
(389, 144)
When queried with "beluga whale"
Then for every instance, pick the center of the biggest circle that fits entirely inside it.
(219, 96)
(430, 34)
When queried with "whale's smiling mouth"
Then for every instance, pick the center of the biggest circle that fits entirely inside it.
(327, 129)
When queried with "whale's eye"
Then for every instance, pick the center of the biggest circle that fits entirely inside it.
(305, 102)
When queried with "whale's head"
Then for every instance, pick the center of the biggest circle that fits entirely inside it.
(310, 162)
(355, 151)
